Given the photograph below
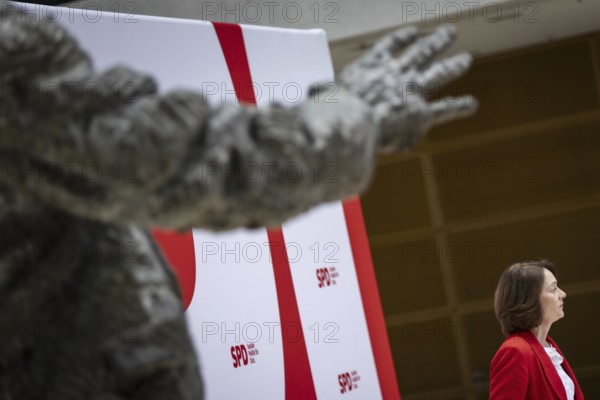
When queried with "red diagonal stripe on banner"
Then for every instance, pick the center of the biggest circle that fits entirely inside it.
(367, 282)
(299, 384)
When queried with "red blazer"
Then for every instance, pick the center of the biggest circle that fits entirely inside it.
(521, 370)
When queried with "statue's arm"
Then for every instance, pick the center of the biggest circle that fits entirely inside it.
(133, 156)
(255, 167)
(174, 161)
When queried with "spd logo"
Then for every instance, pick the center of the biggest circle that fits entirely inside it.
(244, 354)
(239, 354)
(348, 381)
(326, 276)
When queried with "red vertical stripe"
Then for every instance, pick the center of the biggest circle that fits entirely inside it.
(369, 292)
(232, 43)
(299, 384)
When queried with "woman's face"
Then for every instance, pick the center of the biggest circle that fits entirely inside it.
(551, 299)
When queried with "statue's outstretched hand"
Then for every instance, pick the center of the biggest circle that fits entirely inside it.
(395, 78)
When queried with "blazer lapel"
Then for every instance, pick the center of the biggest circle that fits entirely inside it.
(549, 369)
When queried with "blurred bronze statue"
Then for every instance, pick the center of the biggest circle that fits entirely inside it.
(88, 309)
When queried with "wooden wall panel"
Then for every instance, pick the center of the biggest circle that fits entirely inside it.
(572, 333)
(564, 238)
(519, 180)
(552, 166)
(525, 87)
(396, 200)
(402, 273)
(425, 356)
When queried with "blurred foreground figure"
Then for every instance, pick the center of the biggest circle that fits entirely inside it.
(87, 306)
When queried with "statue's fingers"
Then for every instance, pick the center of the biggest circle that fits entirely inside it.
(446, 71)
(392, 43)
(428, 47)
(396, 40)
(449, 109)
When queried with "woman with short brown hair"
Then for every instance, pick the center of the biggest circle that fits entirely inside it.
(529, 365)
